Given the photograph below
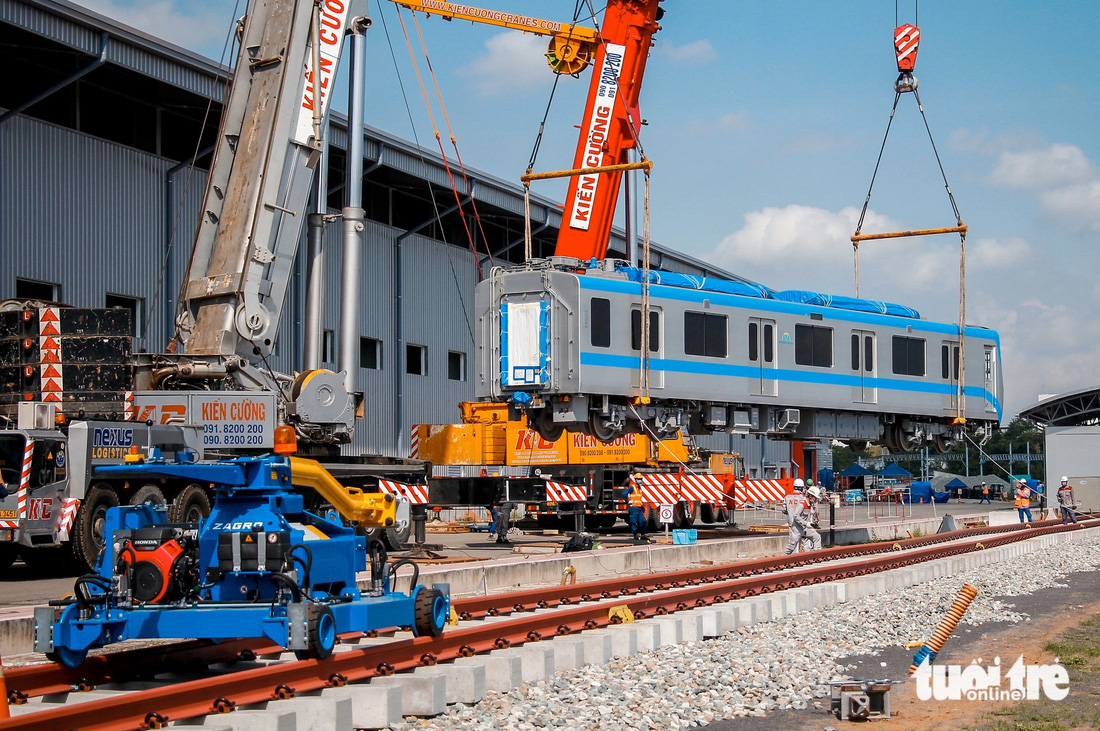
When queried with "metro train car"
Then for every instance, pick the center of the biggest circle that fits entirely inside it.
(563, 340)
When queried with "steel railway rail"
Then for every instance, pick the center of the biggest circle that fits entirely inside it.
(577, 608)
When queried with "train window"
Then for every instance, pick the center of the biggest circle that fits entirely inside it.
(654, 330)
(601, 322)
(868, 353)
(908, 356)
(855, 351)
(754, 351)
(956, 362)
(705, 334)
(769, 343)
(945, 366)
(813, 346)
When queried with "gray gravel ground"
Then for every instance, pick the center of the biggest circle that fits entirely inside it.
(764, 671)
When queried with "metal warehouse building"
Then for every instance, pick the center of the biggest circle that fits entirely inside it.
(105, 140)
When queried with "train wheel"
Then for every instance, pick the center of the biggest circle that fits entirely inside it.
(857, 445)
(599, 428)
(90, 524)
(943, 444)
(190, 506)
(148, 495)
(429, 612)
(320, 633)
(547, 428)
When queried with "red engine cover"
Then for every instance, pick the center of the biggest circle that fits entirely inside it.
(906, 40)
(152, 570)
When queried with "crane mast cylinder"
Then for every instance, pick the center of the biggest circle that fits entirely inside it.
(351, 274)
(315, 278)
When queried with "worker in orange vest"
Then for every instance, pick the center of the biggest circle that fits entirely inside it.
(1023, 501)
(985, 494)
(635, 511)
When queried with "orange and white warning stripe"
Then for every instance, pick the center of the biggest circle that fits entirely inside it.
(128, 405)
(65, 518)
(25, 478)
(51, 372)
(756, 491)
(415, 494)
(559, 492)
(663, 488)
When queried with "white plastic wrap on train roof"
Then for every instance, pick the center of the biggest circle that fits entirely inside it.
(846, 303)
(690, 281)
(751, 289)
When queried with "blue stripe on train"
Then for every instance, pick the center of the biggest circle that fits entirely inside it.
(787, 375)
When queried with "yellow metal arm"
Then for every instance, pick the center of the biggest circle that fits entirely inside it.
(572, 47)
(370, 509)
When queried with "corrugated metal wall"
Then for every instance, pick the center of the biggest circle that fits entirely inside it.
(107, 228)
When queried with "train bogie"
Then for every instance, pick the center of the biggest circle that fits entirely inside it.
(570, 344)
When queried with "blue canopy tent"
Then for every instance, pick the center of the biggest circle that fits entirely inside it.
(893, 470)
(855, 477)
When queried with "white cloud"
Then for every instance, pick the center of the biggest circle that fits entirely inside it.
(695, 53)
(984, 142)
(995, 254)
(511, 61)
(196, 26)
(1056, 166)
(1063, 179)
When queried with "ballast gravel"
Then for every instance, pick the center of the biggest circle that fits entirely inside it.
(761, 668)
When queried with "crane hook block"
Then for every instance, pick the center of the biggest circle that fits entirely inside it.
(906, 40)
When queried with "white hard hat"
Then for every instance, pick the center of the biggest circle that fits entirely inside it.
(798, 482)
(1065, 479)
(815, 492)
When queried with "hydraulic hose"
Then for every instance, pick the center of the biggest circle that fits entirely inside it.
(289, 583)
(947, 626)
(416, 571)
(84, 598)
(307, 564)
(376, 554)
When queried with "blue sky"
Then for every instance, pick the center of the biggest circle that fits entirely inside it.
(765, 119)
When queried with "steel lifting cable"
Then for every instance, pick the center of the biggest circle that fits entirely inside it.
(454, 142)
(439, 141)
(424, 162)
(906, 38)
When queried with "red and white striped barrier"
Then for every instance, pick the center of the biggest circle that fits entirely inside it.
(25, 479)
(414, 442)
(753, 491)
(663, 489)
(415, 494)
(559, 492)
(69, 507)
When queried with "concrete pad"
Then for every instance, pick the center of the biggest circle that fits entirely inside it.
(253, 721)
(502, 672)
(569, 652)
(777, 601)
(803, 600)
(537, 660)
(314, 713)
(648, 634)
(671, 628)
(421, 695)
(372, 706)
(624, 640)
(714, 622)
(597, 647)
(691, 627)
(465, 683)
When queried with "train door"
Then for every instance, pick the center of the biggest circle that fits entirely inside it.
(949, 371)
(991, 394)
(762, 354)
(656, 345)
(864, 391)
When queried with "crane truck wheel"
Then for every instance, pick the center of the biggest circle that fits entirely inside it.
(89, 524)
(708, 514)
(8, 553)
(394, 537)
(148, 495)
(430, 612)
(190, 506)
